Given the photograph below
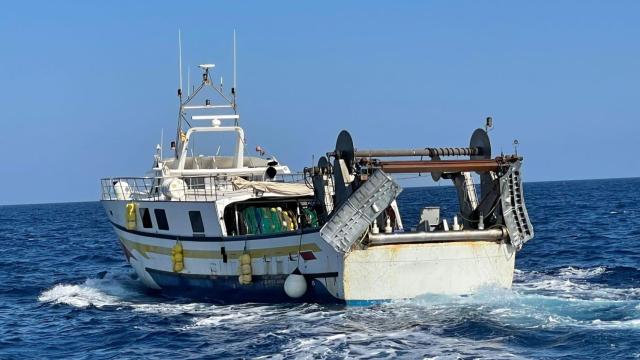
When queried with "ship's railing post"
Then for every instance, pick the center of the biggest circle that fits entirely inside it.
(215, 188)
(188, 188)
(146, 190)
(104, 190)
(186, 191)
(110, 189)
(158, 183)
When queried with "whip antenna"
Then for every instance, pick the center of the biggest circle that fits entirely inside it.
(234, 61)
(180, 62)
(235, 84)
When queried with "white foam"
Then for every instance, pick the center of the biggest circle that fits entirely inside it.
(412, 343)
(571, 284)
(80, 296)
(576, 273)
(171, 308)
(233, 319)
(336, 337)
(616, 324)
(106, 291)
(403, 328)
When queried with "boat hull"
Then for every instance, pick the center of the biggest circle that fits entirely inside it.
(378, 273)
(227, 289)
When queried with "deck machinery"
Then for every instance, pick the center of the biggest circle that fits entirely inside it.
(382, 259)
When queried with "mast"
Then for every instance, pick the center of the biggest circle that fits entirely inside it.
(179, 129)
(235, 84)
(210, 104)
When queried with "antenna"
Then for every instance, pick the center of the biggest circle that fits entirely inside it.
(235, 85)
(161, 142)
(180, 61)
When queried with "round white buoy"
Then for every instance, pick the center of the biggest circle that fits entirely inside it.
(295, 285)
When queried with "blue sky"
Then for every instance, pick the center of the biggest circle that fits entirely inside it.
(87, 86)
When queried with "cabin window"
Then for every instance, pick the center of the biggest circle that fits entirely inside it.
(195, 182)
(196, 221)
(146, 218)
(269, 217)
(161, 219)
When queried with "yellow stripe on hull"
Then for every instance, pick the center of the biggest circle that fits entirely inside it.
(143, 249)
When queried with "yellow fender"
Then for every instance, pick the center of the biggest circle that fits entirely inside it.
(245, 269)
(286, 220)
(177, 257)
(130, 215)
(294, 220)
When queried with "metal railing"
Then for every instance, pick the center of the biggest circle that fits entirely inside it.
(189, 188)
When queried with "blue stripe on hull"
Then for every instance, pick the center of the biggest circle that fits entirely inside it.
(227, 289)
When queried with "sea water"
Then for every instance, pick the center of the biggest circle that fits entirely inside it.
(67, 292)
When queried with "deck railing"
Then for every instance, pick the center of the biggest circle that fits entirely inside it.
(191, 188)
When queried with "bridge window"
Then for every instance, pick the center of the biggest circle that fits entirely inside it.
(161, 219)
(196, 221)
(146, 218)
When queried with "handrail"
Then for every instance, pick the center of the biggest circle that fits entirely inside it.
(206, 188)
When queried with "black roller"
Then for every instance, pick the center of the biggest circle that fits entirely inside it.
(480, 140)
(324, 165)
(345, 150)
(436, 175)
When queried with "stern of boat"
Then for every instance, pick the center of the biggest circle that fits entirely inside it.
(405, 271)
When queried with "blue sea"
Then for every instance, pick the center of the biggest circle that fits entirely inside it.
(67, 292)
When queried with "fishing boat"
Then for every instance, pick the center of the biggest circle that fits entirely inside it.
(240, 228)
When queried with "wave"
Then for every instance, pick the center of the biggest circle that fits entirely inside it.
(578, 273)
(80, 296)
(592, 284)
(477, 326)
(106, 290)
(562, 298)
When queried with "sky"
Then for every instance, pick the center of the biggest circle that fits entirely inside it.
(87, 86)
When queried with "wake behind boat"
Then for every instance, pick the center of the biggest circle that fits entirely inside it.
(239, 228)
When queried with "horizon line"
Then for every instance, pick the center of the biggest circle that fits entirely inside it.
(408, 187)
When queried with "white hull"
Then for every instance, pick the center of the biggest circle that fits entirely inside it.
(379, 273)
